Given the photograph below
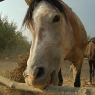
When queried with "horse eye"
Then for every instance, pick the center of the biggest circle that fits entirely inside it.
(56, 19)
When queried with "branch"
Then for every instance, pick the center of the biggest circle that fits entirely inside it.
(55, 90)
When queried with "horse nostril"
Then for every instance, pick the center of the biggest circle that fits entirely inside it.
(40, 72)
(37, 73)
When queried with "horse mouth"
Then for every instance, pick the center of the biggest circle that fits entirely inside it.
(49, 81)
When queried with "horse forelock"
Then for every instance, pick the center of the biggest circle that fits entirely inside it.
(55, 3)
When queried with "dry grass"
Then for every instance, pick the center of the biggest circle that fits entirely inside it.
(15, 74)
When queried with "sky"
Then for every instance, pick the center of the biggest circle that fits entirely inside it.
(85, 10)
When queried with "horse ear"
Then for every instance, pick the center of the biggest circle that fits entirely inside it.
(28, 2)
(59, 0)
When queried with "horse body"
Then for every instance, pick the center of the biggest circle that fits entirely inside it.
(57, 35)
(90, 51)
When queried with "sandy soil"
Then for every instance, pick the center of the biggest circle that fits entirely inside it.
(7, 65)
(68, 76)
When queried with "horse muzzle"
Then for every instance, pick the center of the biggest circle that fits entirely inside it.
(40, 78)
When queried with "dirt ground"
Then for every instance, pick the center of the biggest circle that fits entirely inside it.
(67, 75)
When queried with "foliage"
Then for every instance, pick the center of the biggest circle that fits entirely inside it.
(11, 40)
(88, 37)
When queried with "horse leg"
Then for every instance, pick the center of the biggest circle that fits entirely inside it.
(77, 66)
(93, 68)
(90, 70)
(60, 78)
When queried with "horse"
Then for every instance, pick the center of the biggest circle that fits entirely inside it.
(90, 52)
(57, 35)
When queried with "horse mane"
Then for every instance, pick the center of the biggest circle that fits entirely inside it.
(55, 3)
(92, 40)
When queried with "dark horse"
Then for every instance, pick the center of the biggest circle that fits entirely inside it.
(57, 35)
(90, 51)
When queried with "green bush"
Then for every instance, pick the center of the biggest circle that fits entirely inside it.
(12, 42)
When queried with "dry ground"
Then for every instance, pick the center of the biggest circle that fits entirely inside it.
(67, 75)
